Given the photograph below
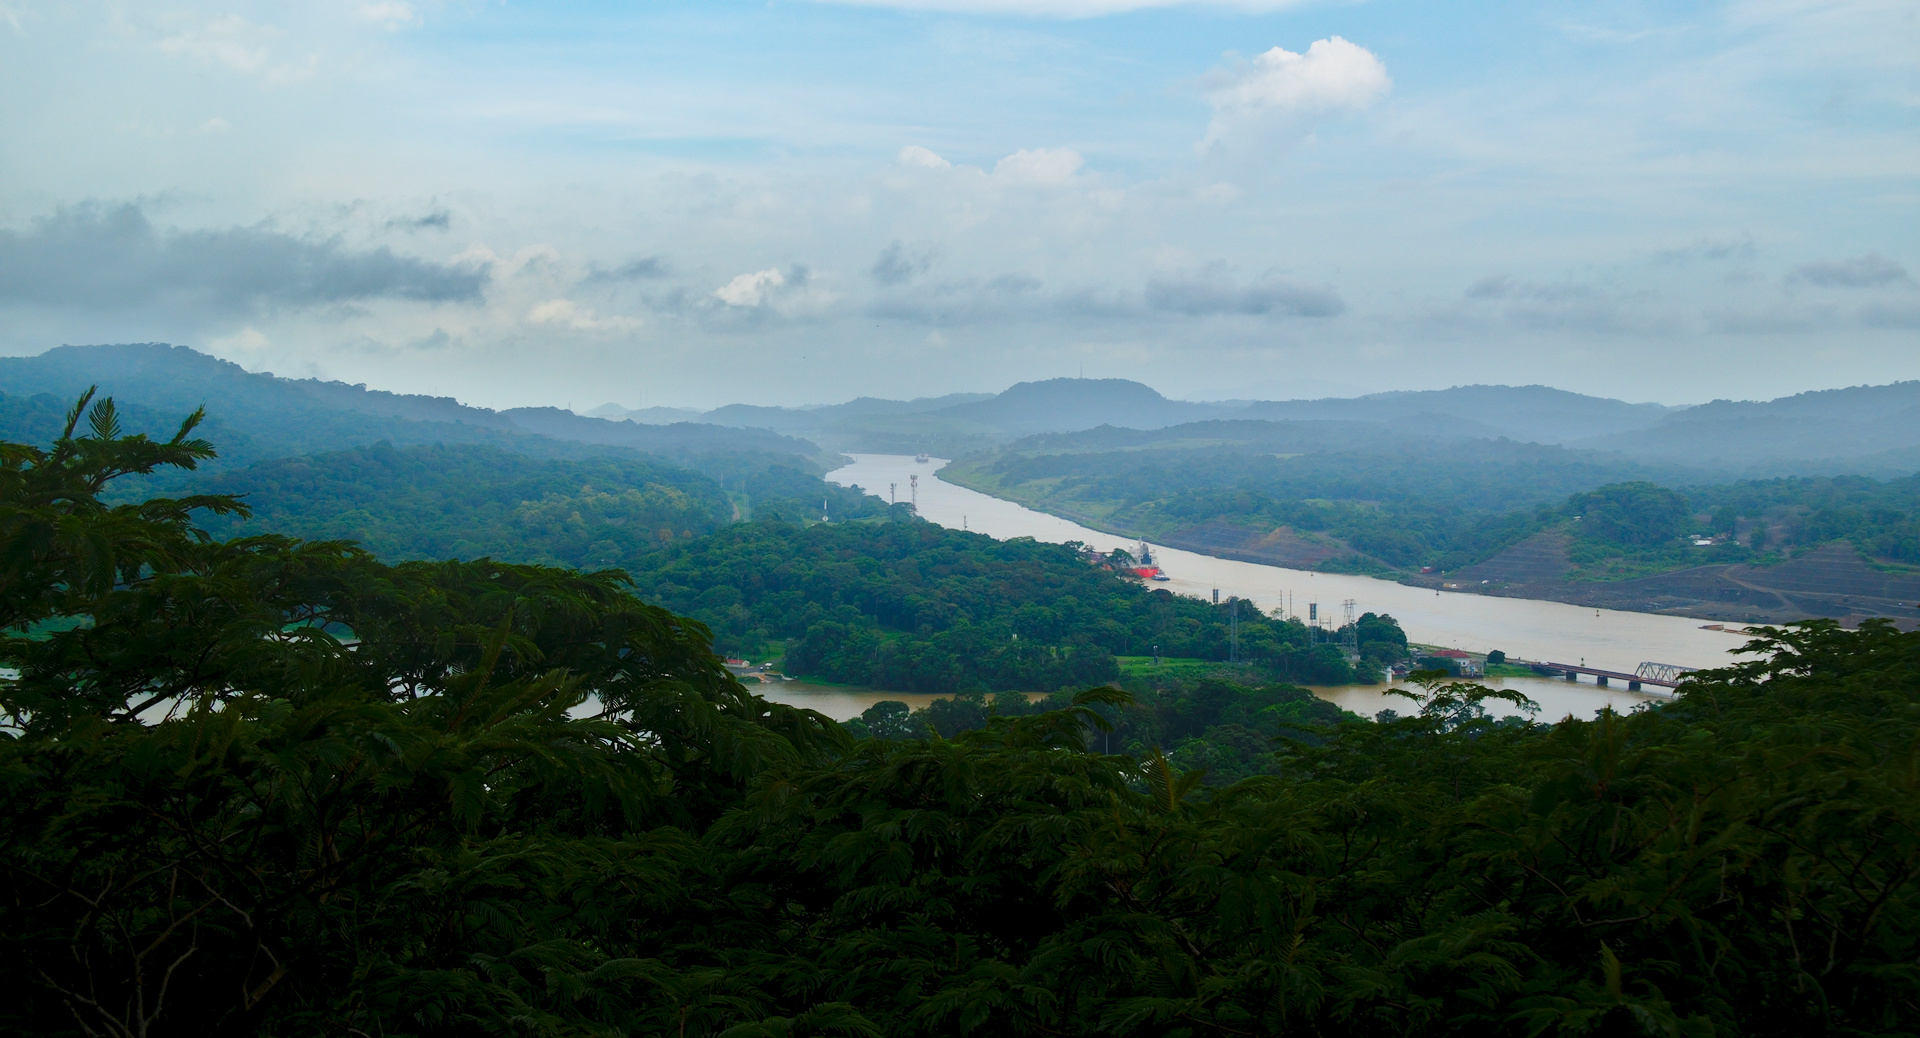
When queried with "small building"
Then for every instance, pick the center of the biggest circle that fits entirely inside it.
(1453, 661)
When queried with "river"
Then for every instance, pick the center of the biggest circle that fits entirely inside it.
(1522, 628)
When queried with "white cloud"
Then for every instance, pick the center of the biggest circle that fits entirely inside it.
(750, 289)
(213, 125)
(1039, 166)
(1332, 76)
(915, 155)
(569, 314)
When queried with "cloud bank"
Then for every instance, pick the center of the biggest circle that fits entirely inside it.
(114, 259)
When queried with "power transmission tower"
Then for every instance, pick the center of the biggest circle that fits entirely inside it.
(1351, 631)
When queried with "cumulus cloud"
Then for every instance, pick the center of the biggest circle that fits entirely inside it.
(114, 259)
(1869, 271)
(900, 262)
(1211, 292)
(1280, 85)
(915, 155)
(1039, 166)
(753, 289)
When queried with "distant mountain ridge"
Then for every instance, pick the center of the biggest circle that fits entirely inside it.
(261, 415)
(1536, 414)
(1876, 425)
(1870, 429)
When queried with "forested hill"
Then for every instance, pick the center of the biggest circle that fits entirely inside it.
(256, 417)
(915, 607)
(870, 598)
(444, 501)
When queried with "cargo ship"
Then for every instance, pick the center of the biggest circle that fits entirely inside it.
(1145, 567)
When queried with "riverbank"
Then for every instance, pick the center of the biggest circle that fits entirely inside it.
(1831, 582)
(1542, 630)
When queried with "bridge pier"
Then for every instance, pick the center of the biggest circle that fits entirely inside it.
(1633, 686)
(1573, 675)
(1600, 679)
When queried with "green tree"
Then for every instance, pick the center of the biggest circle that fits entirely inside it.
(1636, 514)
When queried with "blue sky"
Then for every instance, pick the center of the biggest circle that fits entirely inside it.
(794, 202)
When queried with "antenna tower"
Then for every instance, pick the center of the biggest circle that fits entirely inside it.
(1350, 631)
(913, 484)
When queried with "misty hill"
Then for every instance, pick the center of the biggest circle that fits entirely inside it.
(1235, 436)
(679, 440)
(960, 424)
(826, 416)
(1874, 428)
(1535, 414)
(645, 415)
(1067, 404)
(1867, 429)
(178, 378)
(257, 416)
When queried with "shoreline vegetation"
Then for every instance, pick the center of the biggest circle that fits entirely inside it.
(1757, 551)
(522, 800)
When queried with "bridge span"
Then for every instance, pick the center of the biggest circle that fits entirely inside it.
(1663, 675)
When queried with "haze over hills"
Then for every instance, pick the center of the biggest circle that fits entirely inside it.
(1537, 414)
(1864, 428)
(257, 416)
(1868, 429)
(1877, 427)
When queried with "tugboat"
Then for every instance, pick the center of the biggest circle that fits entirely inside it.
(922, 458)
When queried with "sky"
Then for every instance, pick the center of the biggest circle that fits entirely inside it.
(698, 203)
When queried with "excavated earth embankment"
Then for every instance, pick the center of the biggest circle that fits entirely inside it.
(1830, 581)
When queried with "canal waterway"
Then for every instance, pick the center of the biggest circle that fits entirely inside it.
(1522, 628)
